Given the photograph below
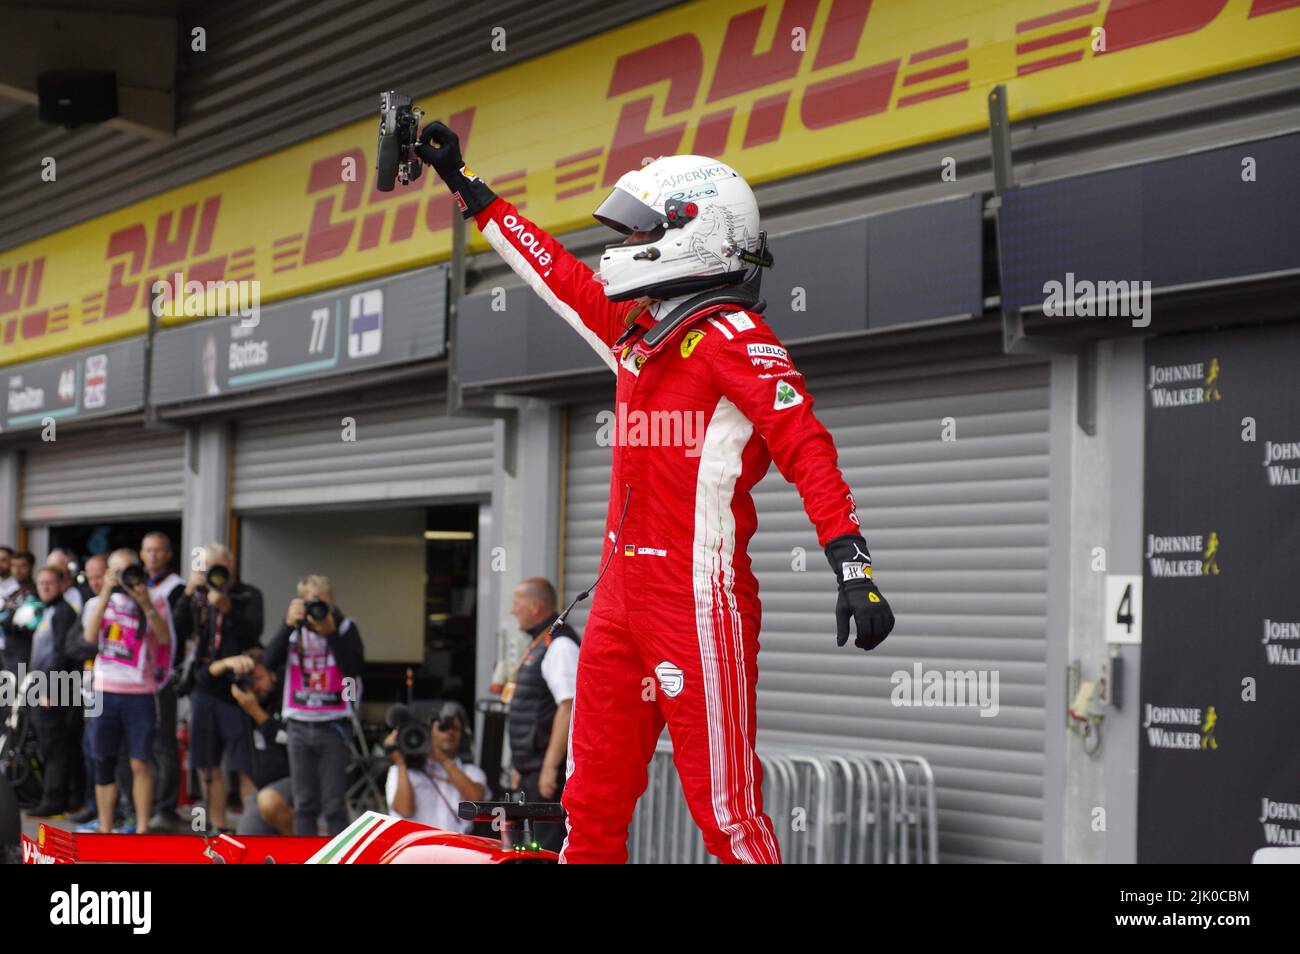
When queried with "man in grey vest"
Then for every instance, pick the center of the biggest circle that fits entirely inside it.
(540, 693)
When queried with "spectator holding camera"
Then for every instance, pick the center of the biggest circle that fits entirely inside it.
(429, 789)
(268, 810)
(58, 649)
(321, 652)
(220, 617)
(126, 628)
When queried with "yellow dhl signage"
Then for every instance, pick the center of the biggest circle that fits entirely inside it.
(775, 89)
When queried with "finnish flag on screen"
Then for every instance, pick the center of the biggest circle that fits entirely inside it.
(366, 323)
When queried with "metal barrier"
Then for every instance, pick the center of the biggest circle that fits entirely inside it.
(828, 807)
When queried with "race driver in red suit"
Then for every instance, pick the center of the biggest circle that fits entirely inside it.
(673, 634)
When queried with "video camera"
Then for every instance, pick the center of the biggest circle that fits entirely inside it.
(399, 130)
(413, 737)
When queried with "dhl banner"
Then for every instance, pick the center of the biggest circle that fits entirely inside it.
(775, 88)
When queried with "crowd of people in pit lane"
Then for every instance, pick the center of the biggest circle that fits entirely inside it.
(107, 658)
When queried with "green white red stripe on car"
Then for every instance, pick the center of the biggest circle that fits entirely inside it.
(349, 846)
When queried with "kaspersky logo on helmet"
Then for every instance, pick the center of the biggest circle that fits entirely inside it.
(718, 171)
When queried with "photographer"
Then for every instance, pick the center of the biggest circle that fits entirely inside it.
(429, 789)
(223, 616)
(268, 810)
(126, 629)
(58, 650)
(321, 652)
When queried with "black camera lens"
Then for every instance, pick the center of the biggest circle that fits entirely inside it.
(218, 577)
(413, 739)
(132, 576)
(317, 609)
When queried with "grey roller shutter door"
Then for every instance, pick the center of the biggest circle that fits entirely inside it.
(409, 451)
(586, 499)
(958, 531)
(136, 473)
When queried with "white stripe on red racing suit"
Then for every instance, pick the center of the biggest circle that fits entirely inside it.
(673, 633)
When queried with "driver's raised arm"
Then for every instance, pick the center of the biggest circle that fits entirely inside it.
(563, 282)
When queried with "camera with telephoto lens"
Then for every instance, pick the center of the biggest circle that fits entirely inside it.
(413, 737)
(218, 577)
(316, 610)
(130, 577)
(399, 130)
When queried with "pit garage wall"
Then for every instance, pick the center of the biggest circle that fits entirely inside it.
(9, 482)
(101, 473)
(1121, 390)
(1096, 499)
(340, 485)
(375, 557)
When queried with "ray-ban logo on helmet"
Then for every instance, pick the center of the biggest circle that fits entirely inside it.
(671, 679)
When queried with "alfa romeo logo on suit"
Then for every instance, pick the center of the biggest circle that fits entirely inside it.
(786, 396)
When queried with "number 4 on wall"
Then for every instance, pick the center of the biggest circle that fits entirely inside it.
(1123, 609)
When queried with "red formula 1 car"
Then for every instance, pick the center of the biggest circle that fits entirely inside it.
(373, 839)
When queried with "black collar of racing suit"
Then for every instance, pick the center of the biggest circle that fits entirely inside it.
(740, 295)
(745, 295)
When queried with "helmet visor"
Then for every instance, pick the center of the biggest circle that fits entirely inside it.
(624, 213)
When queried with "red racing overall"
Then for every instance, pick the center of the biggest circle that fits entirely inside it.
(673, 633)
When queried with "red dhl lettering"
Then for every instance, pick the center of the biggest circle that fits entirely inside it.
(764, 88)
(174, 242)
(741, 70)
(21, 284)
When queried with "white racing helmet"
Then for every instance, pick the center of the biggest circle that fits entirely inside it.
(698, 213)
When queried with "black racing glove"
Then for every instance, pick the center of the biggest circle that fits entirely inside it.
(859, 599)
(440, 148)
